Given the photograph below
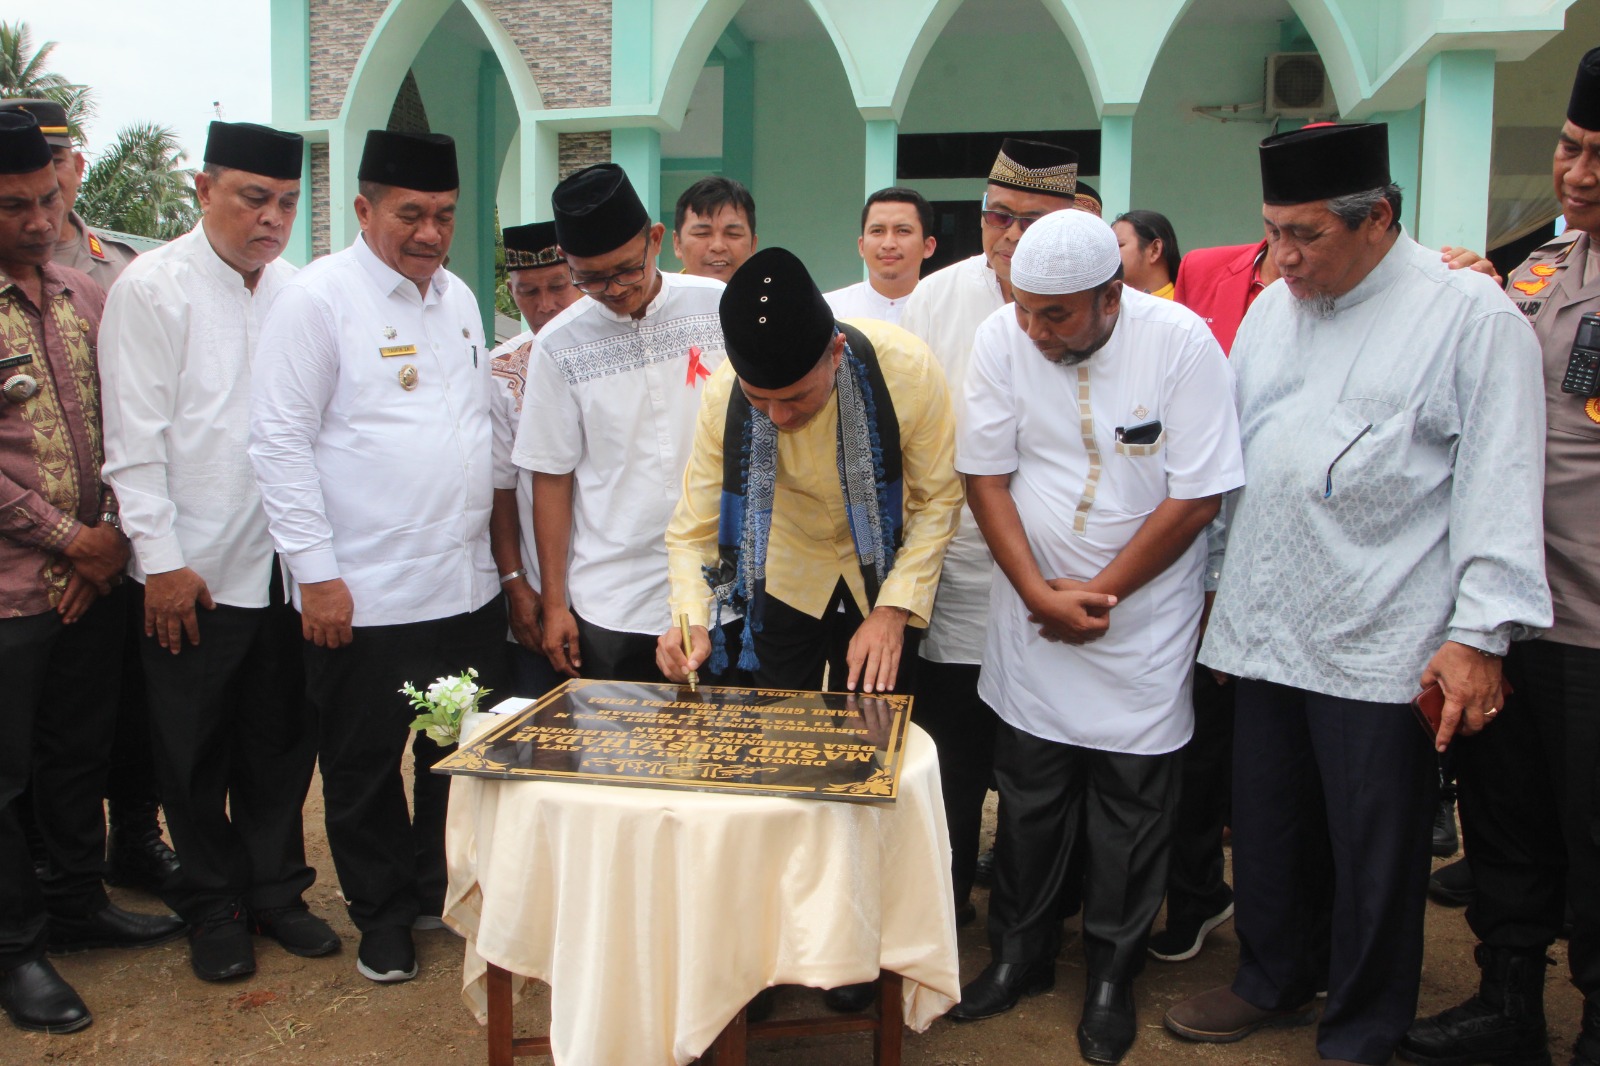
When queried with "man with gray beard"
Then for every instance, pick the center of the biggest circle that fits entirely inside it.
(1388, 538)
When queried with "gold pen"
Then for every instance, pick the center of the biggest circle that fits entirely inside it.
(688, 650)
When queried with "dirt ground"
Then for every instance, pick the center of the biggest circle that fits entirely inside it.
(150, 1009)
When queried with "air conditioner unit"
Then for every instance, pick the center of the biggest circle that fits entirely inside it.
(1297, 86)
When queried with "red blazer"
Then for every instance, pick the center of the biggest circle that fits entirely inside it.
(1215, 284)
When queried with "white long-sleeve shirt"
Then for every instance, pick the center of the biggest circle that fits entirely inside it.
(1394, 463)
(177, 345)
(946, 309)
(363, 479)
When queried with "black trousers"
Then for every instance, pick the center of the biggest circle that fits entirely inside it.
(1314, 775)
(390, 863)
(1530, 808)
(235, 745)
(1196, 888)
(612, 655)
(131, 786)
(1124, 804)
(962, 727)
(794, 648)
(58, 718)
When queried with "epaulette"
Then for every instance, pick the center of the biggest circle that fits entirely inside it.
(96, 249)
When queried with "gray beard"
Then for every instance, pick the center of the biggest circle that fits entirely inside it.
(1319, 306)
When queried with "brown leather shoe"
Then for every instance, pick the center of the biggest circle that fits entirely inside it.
(1221, 1017)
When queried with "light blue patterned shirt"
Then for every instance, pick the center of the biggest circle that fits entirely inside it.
(1394, 456)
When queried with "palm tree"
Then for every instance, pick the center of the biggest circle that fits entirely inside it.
(139, 185)
(23, 73)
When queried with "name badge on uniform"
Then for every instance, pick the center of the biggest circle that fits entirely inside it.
(24, 359)
(397, 349)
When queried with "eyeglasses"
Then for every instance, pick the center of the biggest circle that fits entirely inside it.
(1004, 219)
(622, 279)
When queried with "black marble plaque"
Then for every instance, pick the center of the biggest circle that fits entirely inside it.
(815, 745)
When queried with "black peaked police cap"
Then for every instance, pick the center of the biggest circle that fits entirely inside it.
(775, 323)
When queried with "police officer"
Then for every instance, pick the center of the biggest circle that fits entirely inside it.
(80, 246)
(1529, 790)
(139, 857)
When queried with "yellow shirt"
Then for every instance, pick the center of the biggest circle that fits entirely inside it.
(810, 547)
(1165, 292)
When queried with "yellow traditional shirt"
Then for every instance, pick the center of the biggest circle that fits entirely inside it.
(810, 547)
(1165, 292)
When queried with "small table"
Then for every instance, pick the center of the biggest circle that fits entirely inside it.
(656, 916)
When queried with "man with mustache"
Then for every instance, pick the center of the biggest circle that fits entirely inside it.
(61, 604)
(1388, 537)
(233, 743)
(371, 441)
(1530, 788)
(1099, 439)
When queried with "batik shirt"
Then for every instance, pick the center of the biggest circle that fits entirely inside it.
(50, 444)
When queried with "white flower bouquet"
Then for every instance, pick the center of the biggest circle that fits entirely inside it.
(444, 704)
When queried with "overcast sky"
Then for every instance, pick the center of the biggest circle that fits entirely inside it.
(162, 61)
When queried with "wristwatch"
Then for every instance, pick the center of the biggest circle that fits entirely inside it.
(112, 519)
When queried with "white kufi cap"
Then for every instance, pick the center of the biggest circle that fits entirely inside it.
(1065, 252)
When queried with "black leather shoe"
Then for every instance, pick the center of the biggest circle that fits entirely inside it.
(297, 929)
(851, 999)
(138, 857)
(37, 999)
(997, 989)
(1106, 1032)
(112, 927)
(1445, 840)
(220, 948)
(1452, 884)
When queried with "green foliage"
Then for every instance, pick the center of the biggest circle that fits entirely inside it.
(503, 303)
(24, 73)
(139, 185)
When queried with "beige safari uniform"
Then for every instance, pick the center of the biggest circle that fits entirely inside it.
(98, 256)
(1555, 287)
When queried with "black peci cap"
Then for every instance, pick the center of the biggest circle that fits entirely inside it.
(51, 116)
(23, 148)
(597, 211)
(256, 149)
(1583, 110)
(425, 162)
(533, 245)
(1034, 166)
(1324, 160)
(775, 323)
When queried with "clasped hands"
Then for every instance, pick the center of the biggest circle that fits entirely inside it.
(1066, 612)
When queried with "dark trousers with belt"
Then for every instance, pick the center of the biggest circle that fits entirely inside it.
(962, 727)
(1122, 805)
(613, 655)
(235, 745)
(1530, 808)
(1196, 888)
(795, 648)
(1315, 776)
(58, 718)
(390, 863)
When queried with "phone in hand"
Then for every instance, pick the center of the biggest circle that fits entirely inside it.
(1428, 706)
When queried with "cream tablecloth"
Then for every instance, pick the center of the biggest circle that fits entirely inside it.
(655, 915)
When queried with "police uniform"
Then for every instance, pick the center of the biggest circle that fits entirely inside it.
(96, 253)
(1529, 783)
(1529, 786)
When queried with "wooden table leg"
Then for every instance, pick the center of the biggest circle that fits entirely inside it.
(500, 1052)
(889, 1038)
(732, 1044)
